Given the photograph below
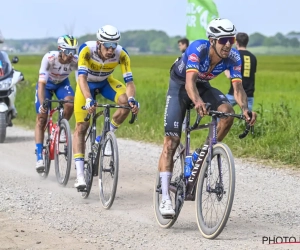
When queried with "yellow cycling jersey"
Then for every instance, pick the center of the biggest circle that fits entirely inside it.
(97, 70)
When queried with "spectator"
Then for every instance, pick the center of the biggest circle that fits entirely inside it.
(183, 44)
(248, 70)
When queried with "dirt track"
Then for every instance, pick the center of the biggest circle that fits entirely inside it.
(39, 214)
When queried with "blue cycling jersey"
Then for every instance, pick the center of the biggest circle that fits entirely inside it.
(196, 58)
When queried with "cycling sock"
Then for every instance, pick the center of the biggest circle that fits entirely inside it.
(165, 178)
(79, 163)
(39, 151)
(113, 125)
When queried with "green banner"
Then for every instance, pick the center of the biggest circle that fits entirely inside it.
(199, 14)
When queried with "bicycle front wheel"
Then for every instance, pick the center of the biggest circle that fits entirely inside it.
(63, 153)
(108, 170)
(214, 197)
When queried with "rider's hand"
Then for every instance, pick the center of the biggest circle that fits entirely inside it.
(200, 108)
(89, 105)
(42, 110)
(249, 120)
(135, 106)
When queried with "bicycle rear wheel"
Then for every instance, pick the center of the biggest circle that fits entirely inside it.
(108, 171)
(221, 194)
(63, 153)
(176, 190)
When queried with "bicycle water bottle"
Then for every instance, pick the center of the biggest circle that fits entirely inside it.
(188, 166)
(96, 145)
(196, 155)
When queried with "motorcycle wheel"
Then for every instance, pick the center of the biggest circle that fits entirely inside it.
(2, 127)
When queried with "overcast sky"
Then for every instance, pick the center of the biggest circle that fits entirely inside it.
(52, 18)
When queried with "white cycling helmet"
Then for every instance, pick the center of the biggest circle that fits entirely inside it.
(220, 27)
(67, 42)
(108, 33)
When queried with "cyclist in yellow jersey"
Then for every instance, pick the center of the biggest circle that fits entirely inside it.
(96, 63)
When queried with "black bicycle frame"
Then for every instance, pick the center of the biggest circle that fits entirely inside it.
(106, 128)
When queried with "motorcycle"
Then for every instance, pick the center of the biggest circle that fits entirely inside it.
(9, 77)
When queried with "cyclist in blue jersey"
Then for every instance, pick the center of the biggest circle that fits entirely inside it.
(189, 83)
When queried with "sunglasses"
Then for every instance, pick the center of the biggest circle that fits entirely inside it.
(224, 40)
(108, 45)
(68, 52)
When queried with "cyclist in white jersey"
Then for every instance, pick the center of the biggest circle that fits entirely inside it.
(55, 69)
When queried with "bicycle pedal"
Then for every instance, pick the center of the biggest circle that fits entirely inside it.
(81, 190)
(40, 171)
(168, 217)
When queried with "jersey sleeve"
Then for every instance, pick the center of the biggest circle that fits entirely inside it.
(83, 59)
(125, 66)
(235, 66)
(44, 69)
(193, 58)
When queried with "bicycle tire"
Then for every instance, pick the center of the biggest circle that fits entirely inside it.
(213, 232)
(163, 222)
(88, 170)
(47, 161)
(113, 170)
(64, 125)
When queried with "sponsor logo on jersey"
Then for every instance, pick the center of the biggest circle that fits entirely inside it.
(235, 55)
(201, 47)
(193, 58)
(238, 68)
(206, 76)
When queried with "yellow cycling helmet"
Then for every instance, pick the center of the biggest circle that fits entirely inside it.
(67, 42)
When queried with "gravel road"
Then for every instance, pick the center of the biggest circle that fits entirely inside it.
(39, 214)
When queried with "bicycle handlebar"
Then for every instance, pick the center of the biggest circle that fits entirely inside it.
(222, 114)
(133, 116)
(46, 101)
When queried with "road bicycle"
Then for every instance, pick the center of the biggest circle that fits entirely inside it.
(57, 146)
(96, 162)
(211, 182)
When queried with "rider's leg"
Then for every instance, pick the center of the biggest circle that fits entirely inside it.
(79, 135)
(176, 104)
(115, 91)
(224, 124)
(78, 151)
(41, 120)
(219, 102)
(166, 163)
(65, 91)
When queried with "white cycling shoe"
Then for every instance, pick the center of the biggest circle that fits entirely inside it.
(80, 182)
(40, 166)
(62, 137)
(107, 150)
(166, 208)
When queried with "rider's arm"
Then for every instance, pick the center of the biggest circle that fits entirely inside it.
(192, 70)
(236, 79)
(190, 86)
(127, 74)
(240, 94)
(43, 77)
(84, 87)
(83, 58)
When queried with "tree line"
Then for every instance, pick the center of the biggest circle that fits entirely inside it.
(150, 41)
